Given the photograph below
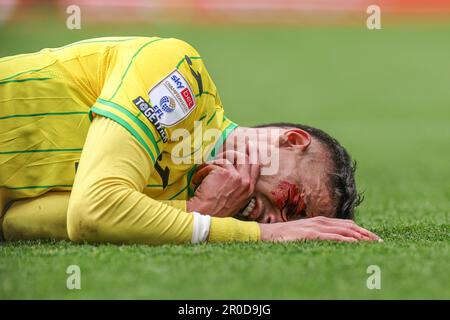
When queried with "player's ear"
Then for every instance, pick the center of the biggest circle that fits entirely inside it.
(295, 137)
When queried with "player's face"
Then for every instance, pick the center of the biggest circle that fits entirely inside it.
(295, 192)
(285, 199)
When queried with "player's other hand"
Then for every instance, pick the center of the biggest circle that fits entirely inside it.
(226, 185)
(316, 228)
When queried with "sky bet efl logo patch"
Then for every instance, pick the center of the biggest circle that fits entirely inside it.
(172, 99)
(151, 115)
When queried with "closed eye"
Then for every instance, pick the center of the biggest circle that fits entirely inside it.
(296, 211)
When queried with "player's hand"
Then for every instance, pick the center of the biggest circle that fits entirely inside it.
(316, 228)
(226, 185)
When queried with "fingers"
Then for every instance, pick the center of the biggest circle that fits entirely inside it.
(248, 172)
(317, 228)
(366, 232)
(336, 237)
(224, 162)
(255, 171)
(231, 156)
(346, 232)
(349, 224)
(206, 169)
(202, 172)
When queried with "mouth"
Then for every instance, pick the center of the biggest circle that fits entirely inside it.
(251, 210)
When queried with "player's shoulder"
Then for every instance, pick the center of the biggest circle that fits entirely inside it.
(170, 42)
(166, 46)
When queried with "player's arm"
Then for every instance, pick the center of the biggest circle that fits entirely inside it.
(125, 139)
(107, 203)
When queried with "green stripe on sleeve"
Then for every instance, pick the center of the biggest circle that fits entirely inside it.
(44, 114)
(211, 118)
(130, 129)
(23, 80)
(225, 133)
(42, 150)
(133, 118)
(21, 73)
(36, 187)
(184, 59)
(205, 92)
(178, 193)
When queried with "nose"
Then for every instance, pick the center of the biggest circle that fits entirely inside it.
(272, 218)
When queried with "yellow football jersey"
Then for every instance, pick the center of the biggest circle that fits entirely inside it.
(158, 89)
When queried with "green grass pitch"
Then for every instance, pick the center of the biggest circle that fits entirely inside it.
(384, 94)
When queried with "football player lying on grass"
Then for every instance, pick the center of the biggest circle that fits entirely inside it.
(98, 144)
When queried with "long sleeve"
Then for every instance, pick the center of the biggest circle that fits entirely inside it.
(107, 205)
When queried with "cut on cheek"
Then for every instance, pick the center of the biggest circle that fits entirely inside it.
(288, 195)
(281, 194)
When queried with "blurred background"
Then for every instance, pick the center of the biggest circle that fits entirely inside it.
(384, 93)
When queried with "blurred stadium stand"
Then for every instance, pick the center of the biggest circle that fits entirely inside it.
(225, 11)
